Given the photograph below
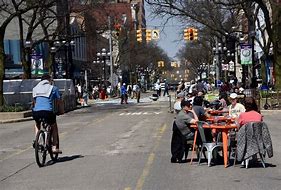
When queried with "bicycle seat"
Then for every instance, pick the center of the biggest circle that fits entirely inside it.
(44, 122)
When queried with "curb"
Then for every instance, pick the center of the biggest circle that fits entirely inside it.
(270, 110)
(16, 120)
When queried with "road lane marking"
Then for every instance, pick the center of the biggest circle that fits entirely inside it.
(150, 159)
(62, 136)
(16, 153)
(139, 113)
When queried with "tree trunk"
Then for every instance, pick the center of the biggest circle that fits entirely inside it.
(277, 66)
(2, 69)
(276, 20)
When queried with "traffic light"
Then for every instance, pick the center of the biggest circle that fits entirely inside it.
(148, 35)
(117, 28)
(155, 34)
(174, 64)
(186, 34)
(191, 34)
(139, 35)
(195, 34)
(160, 63)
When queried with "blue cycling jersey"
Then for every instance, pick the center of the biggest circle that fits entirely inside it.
(46, 103)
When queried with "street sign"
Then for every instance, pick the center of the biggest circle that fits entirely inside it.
(224, 67)
(155, 34)
(231, 66)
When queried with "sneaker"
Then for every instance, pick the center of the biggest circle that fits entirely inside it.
(33, 143)
(56, 151)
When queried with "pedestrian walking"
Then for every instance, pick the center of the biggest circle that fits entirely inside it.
(129, 90)
(124, 95)
(158, 89)
(166, 90)
(85, 95)
(138, 91)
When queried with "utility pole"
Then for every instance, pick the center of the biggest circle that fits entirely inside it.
(110, 56)
(217, 63)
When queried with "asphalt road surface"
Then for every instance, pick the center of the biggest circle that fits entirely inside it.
(109, 146)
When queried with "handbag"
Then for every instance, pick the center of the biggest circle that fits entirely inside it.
(59, 107)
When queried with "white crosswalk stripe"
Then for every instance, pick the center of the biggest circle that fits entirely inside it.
(139, 113)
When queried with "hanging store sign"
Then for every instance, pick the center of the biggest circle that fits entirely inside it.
(246, 54)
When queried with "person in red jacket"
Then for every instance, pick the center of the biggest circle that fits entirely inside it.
(251, 114)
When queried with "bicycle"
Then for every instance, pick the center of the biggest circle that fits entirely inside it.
(43, 144)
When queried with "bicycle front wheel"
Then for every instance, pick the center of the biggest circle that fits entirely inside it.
(40, 148)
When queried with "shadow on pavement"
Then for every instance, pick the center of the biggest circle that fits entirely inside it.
(64, 159)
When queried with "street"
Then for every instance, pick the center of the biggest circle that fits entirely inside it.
(109, 146)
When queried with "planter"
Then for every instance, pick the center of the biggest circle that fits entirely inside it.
(15, 115)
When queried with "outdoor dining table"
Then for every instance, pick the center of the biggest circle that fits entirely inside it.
(220, 119)
(217, 112)
(221, 127)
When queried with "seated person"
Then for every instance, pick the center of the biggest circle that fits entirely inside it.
(202, 115)
(199, 109)
(235, 108)
(251, 114)
(223, 101)
(185, 118)
(177, 105)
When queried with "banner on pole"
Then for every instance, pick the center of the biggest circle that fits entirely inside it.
(37, 64)
(246, 54)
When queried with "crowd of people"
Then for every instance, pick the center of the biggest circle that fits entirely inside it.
(124, 91)
(191, 107)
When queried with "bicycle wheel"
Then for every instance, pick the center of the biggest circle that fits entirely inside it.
(40, 148)
(54, 156)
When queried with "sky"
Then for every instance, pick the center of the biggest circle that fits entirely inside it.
(171, 39)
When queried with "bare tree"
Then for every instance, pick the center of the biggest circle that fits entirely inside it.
(9, 10)
(220, 15)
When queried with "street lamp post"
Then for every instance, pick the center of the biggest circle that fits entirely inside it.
(104, 54)
(28, 46)
(66, 46)
(254, 78)
(53, 53)
(231, 56)
(218, 51)
(202, 69)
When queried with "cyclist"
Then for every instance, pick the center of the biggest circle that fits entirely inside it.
(44, 94)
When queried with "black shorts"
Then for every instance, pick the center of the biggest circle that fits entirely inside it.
(49, 116)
